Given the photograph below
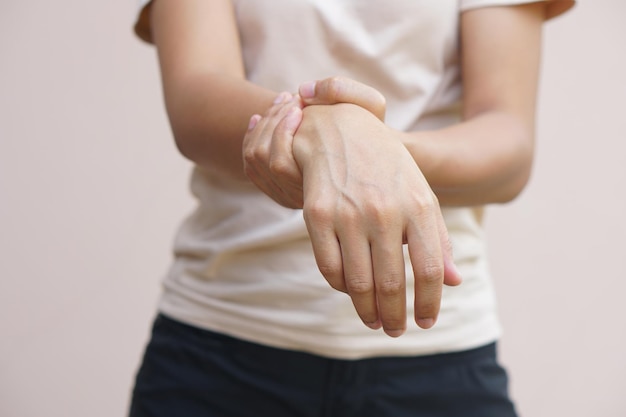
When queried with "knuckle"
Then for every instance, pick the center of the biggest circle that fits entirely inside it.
(391, 286)
(317, 212)
(337, 284)
(359, 284)
(381, 210)
(333, 273)
(335, 87)
(248, 155)
(432, 275)
(423, 198)
(431, 271)
(381, 214)
(426, 201)
(255, 154)
(348, 218)
(278, 167)
(433, 201)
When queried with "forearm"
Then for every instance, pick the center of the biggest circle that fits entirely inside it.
(486, 159)
(209, 114)
(208, 100)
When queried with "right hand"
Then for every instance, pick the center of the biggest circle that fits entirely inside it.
(364, 197)
(267, 151)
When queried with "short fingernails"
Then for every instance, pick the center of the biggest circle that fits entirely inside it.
(282, 97)
(426, 323)
(307, 90)
(253, 121)
(374, 325)
(395, 333)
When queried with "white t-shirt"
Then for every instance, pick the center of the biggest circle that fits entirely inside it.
(244, 265)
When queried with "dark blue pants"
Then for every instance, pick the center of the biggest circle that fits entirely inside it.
(190, 372)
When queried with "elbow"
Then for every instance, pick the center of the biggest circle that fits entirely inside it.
(519, 172)
(182, 127)
(187, 146)
(206, 151)
(513, 188)
(189, 140)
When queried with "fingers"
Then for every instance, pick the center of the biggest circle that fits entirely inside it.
(282, 165)
(267, 151)
(325, 244)
(427, 260)
(451, 275)
(365, 262)
(362, 199)
(390, 281)
(359, 276)
(343, 90)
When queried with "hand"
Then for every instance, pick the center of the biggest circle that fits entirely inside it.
(364, 197)
(267, 151)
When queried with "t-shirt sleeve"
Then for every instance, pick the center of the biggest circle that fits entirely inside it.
(553, 7)
(142, 24)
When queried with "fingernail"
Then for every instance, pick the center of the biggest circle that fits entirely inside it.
(395, 333)
(375, 325)
(426, 323)
(281, 97)
(307, 90)
(253, 121)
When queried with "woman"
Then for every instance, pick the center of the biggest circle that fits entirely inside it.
(254, 319)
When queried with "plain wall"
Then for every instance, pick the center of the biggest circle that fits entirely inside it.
(92, 190)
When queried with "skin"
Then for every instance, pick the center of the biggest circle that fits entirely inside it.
(329, 152)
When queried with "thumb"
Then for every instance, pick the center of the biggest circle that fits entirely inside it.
(336, 90)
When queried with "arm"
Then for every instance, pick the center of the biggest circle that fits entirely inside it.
(487, 158)
(208, 100)
(364, 197)
(209, 103)
(347, 160)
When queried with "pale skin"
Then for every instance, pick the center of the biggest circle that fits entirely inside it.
(337, 159)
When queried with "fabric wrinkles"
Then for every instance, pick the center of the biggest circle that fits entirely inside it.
(244, 265)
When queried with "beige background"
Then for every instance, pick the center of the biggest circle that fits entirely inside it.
(91, 190)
